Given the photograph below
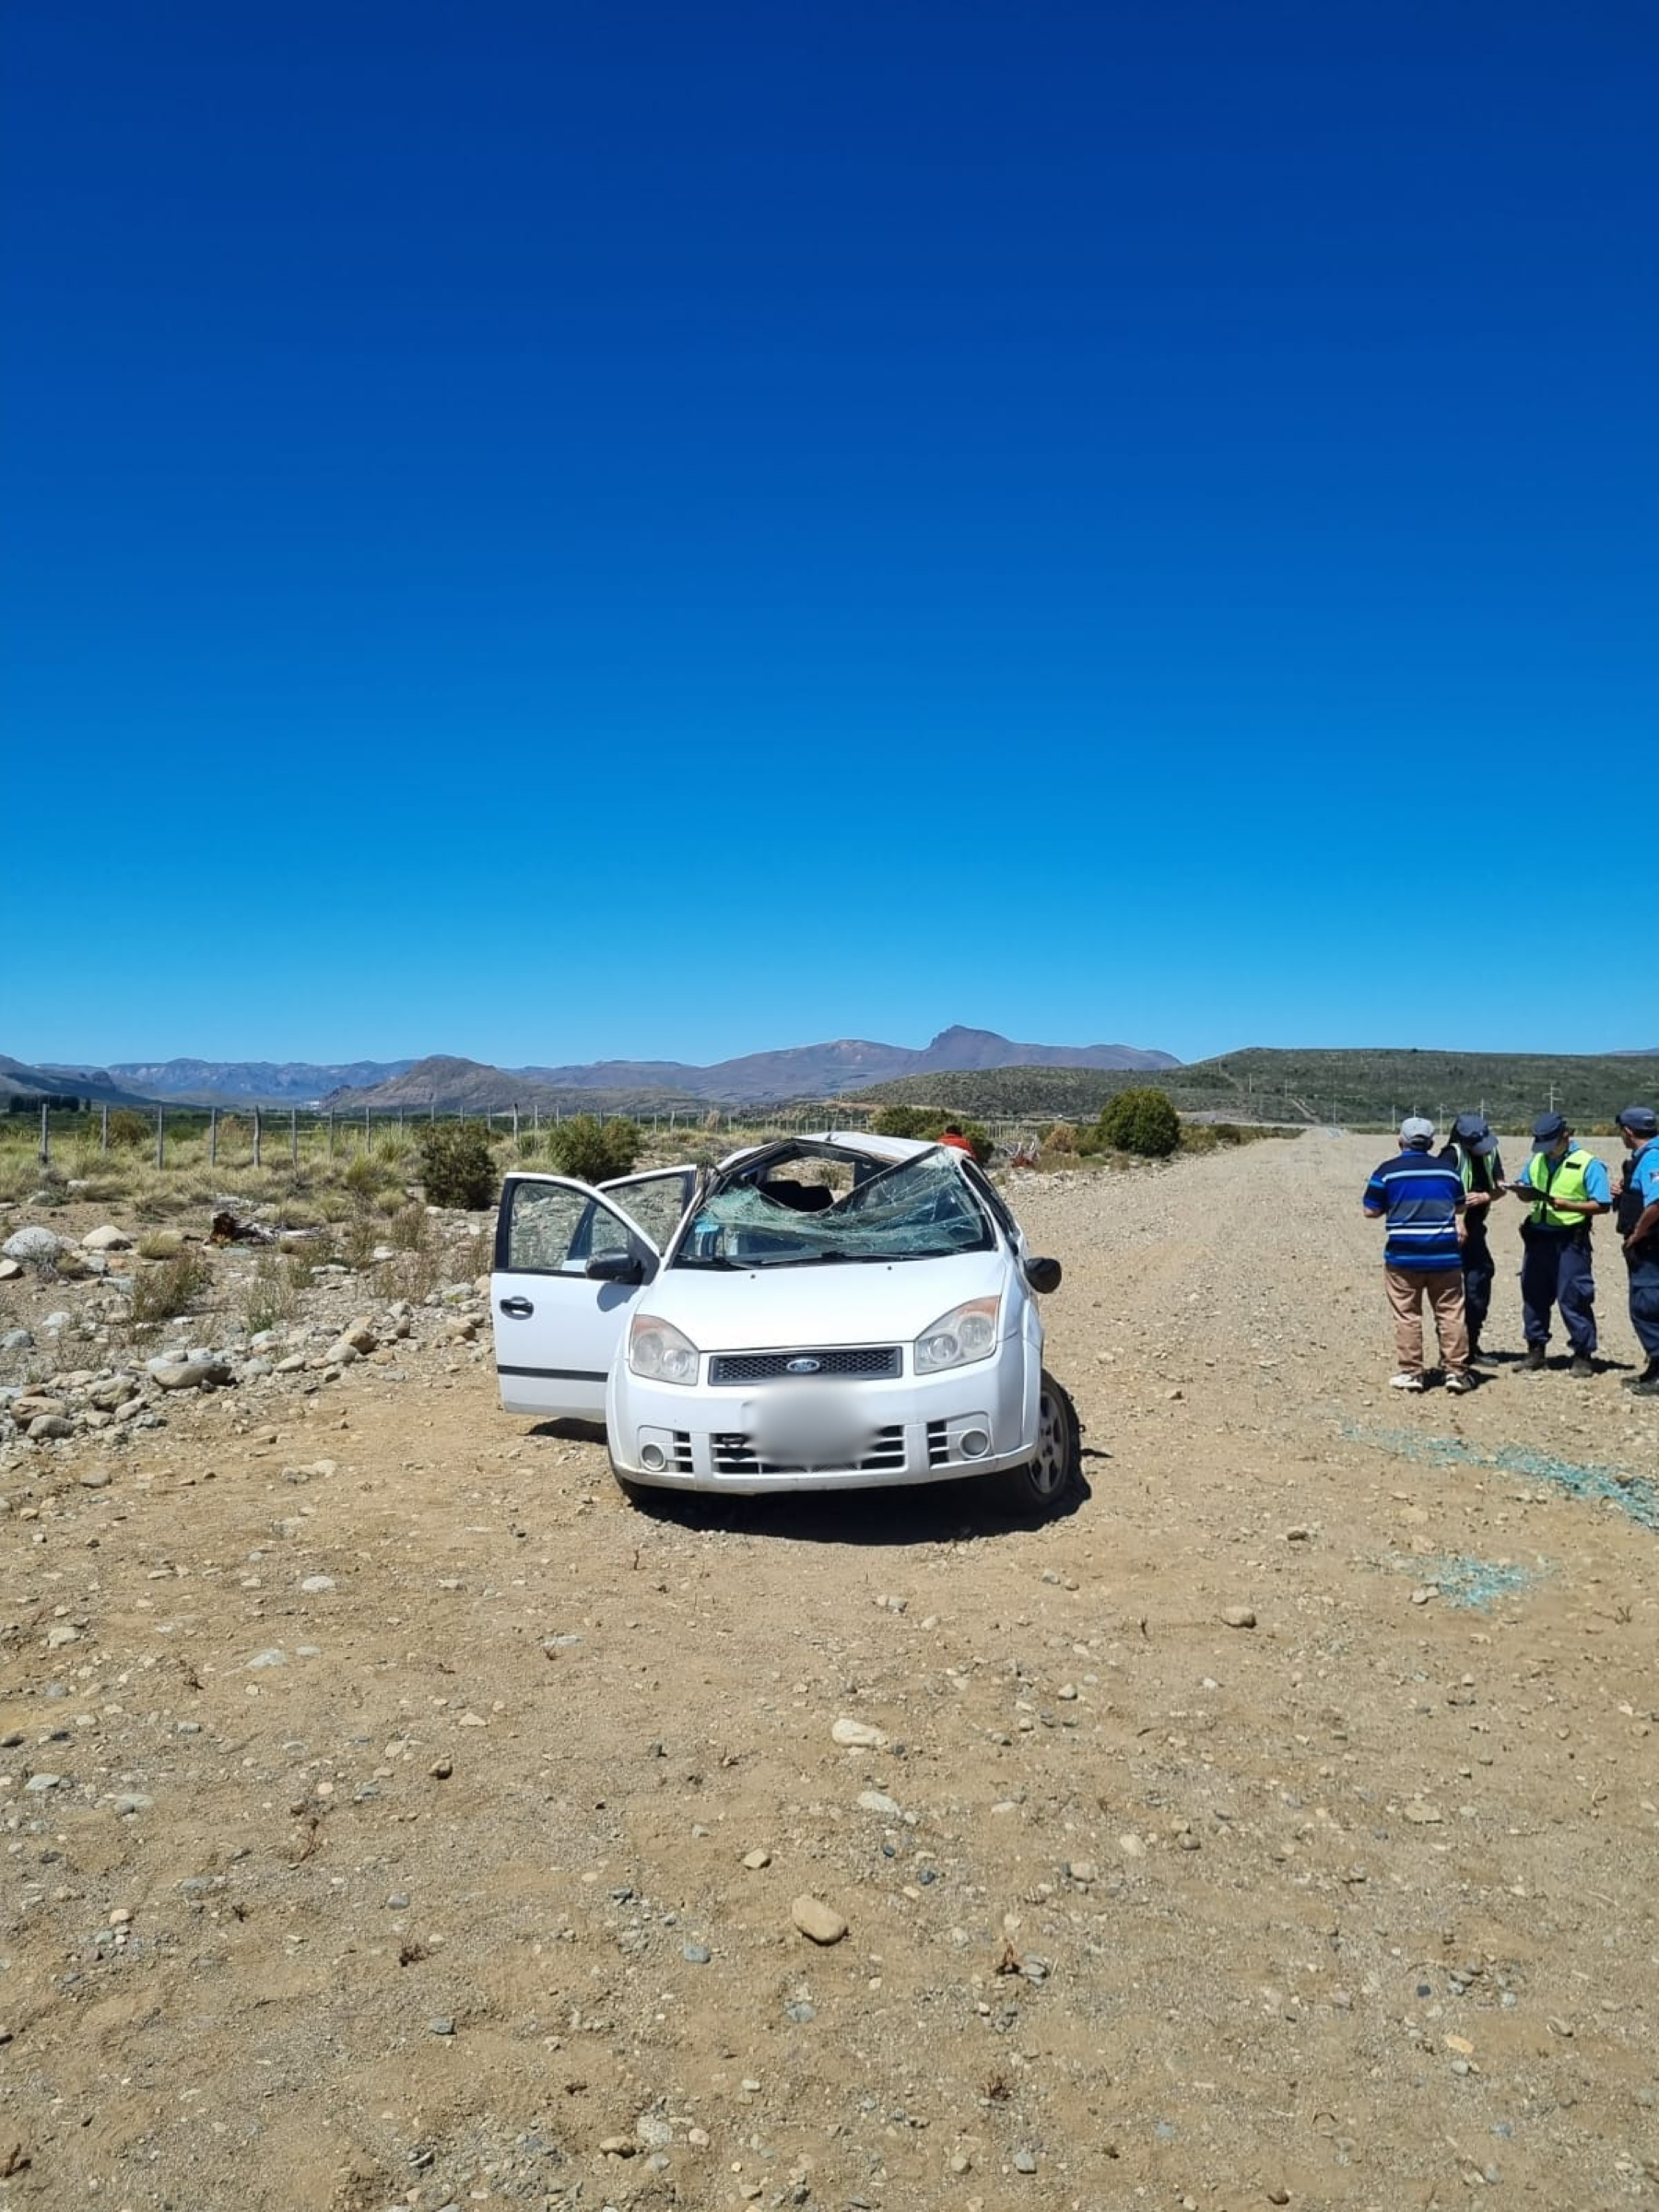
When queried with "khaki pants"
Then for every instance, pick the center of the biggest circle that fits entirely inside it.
(1408, 1286)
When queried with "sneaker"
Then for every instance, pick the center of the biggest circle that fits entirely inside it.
(1647, 1382)
(1584, 1367)
(1478, 1357)
(1406, 1382)
(1642, 1388)
(1457, 1385)
(1534, 1362)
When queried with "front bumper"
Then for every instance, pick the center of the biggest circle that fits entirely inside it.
(914, 1428)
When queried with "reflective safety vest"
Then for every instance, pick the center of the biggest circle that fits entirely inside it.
(1562, 1178)
(1469, 1169)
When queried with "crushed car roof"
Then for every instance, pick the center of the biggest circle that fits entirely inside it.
(889, 1150)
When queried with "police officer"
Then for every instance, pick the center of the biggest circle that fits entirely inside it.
(1566, 1187)
(1638, 1220)
(1473, 1151)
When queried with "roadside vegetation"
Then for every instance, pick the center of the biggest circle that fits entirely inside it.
(1358, 1089)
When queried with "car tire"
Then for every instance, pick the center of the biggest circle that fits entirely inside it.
(1051, 1476)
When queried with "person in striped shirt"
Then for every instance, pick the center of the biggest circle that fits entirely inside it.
(1421, 1201)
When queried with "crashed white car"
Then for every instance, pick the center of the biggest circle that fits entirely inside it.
(840, 1311)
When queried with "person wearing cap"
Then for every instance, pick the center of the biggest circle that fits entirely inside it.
(1473, 1151)
(1637, 1216)
(1422, 1202)
(1565, 1187)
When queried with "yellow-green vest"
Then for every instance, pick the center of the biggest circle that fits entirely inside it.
(1562, 1179)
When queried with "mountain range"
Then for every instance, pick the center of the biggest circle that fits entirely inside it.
(448, 1083)
(804, 1071)
(807, 1071)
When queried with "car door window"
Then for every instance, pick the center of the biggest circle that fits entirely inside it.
(555, 1230)
(655, 1202)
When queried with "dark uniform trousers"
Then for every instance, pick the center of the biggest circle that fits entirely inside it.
(1556, 1271)
(1478, 1269)
(1644, 1295)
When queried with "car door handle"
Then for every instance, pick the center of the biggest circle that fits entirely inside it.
(517, 1309)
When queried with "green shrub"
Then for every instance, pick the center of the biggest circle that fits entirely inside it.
(169, 1288)
(129, 1128)
(271, 1296)
(456, 1164)
(1141, 1121)
(908, 1121)
(928, 1123)
(593, 1150)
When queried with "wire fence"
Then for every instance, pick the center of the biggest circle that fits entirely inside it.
(267, 1135)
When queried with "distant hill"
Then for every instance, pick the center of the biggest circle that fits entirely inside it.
(452, 1086)
(1372, 1085)
(251, 1082)
(19, 1080)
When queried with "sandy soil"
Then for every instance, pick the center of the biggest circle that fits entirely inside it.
(446, 1902)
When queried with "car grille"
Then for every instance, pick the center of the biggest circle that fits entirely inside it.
(680, 1458)
(862, 1364)
(938, 1445)
(734, 1454)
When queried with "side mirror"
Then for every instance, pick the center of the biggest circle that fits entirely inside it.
(1042, 1275)
(615, 1267)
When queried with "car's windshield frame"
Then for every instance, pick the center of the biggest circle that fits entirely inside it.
(817, 1236)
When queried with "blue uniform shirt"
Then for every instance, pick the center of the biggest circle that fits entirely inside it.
(1421, 1198)
(1644, 1171)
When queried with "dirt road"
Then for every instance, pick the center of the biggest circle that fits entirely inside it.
(426, 1822)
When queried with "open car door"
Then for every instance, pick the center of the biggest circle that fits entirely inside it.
(557, 1326)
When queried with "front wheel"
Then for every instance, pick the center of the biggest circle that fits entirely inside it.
(1051, 1475)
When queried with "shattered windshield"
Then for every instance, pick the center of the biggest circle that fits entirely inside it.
(921, 1209)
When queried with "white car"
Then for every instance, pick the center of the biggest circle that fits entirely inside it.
(829, 1313)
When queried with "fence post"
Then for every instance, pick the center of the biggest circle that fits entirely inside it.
(45, 1136)
(213, 1137)
(515, 1120)
(294, 1134)
(535, 1118)
(256, 1136)
(103, 1129)
(331, 1132)
(368, 1129)
(160, 1137)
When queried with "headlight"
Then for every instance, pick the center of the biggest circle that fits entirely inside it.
(965, 1334)
(660, 1351)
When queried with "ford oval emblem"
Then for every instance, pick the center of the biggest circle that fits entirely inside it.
(802, 1367)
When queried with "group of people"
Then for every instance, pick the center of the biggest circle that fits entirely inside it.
(1436, 1208)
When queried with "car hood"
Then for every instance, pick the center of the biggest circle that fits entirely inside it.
(874, 1302)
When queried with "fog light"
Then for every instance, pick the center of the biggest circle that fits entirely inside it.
(652, 1458)
(975, 1443)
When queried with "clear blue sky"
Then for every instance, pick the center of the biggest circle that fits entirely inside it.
(550, 531)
